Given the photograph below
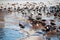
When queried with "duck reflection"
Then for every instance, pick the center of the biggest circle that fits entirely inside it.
(1, 19)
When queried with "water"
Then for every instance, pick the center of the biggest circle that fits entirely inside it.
(9, 34)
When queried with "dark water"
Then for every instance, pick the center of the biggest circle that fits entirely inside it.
(8, 34)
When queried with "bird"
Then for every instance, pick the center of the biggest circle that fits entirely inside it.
(21, 25)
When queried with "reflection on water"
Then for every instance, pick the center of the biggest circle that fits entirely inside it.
(8, 34)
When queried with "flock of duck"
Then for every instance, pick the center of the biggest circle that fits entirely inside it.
(33, 13)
